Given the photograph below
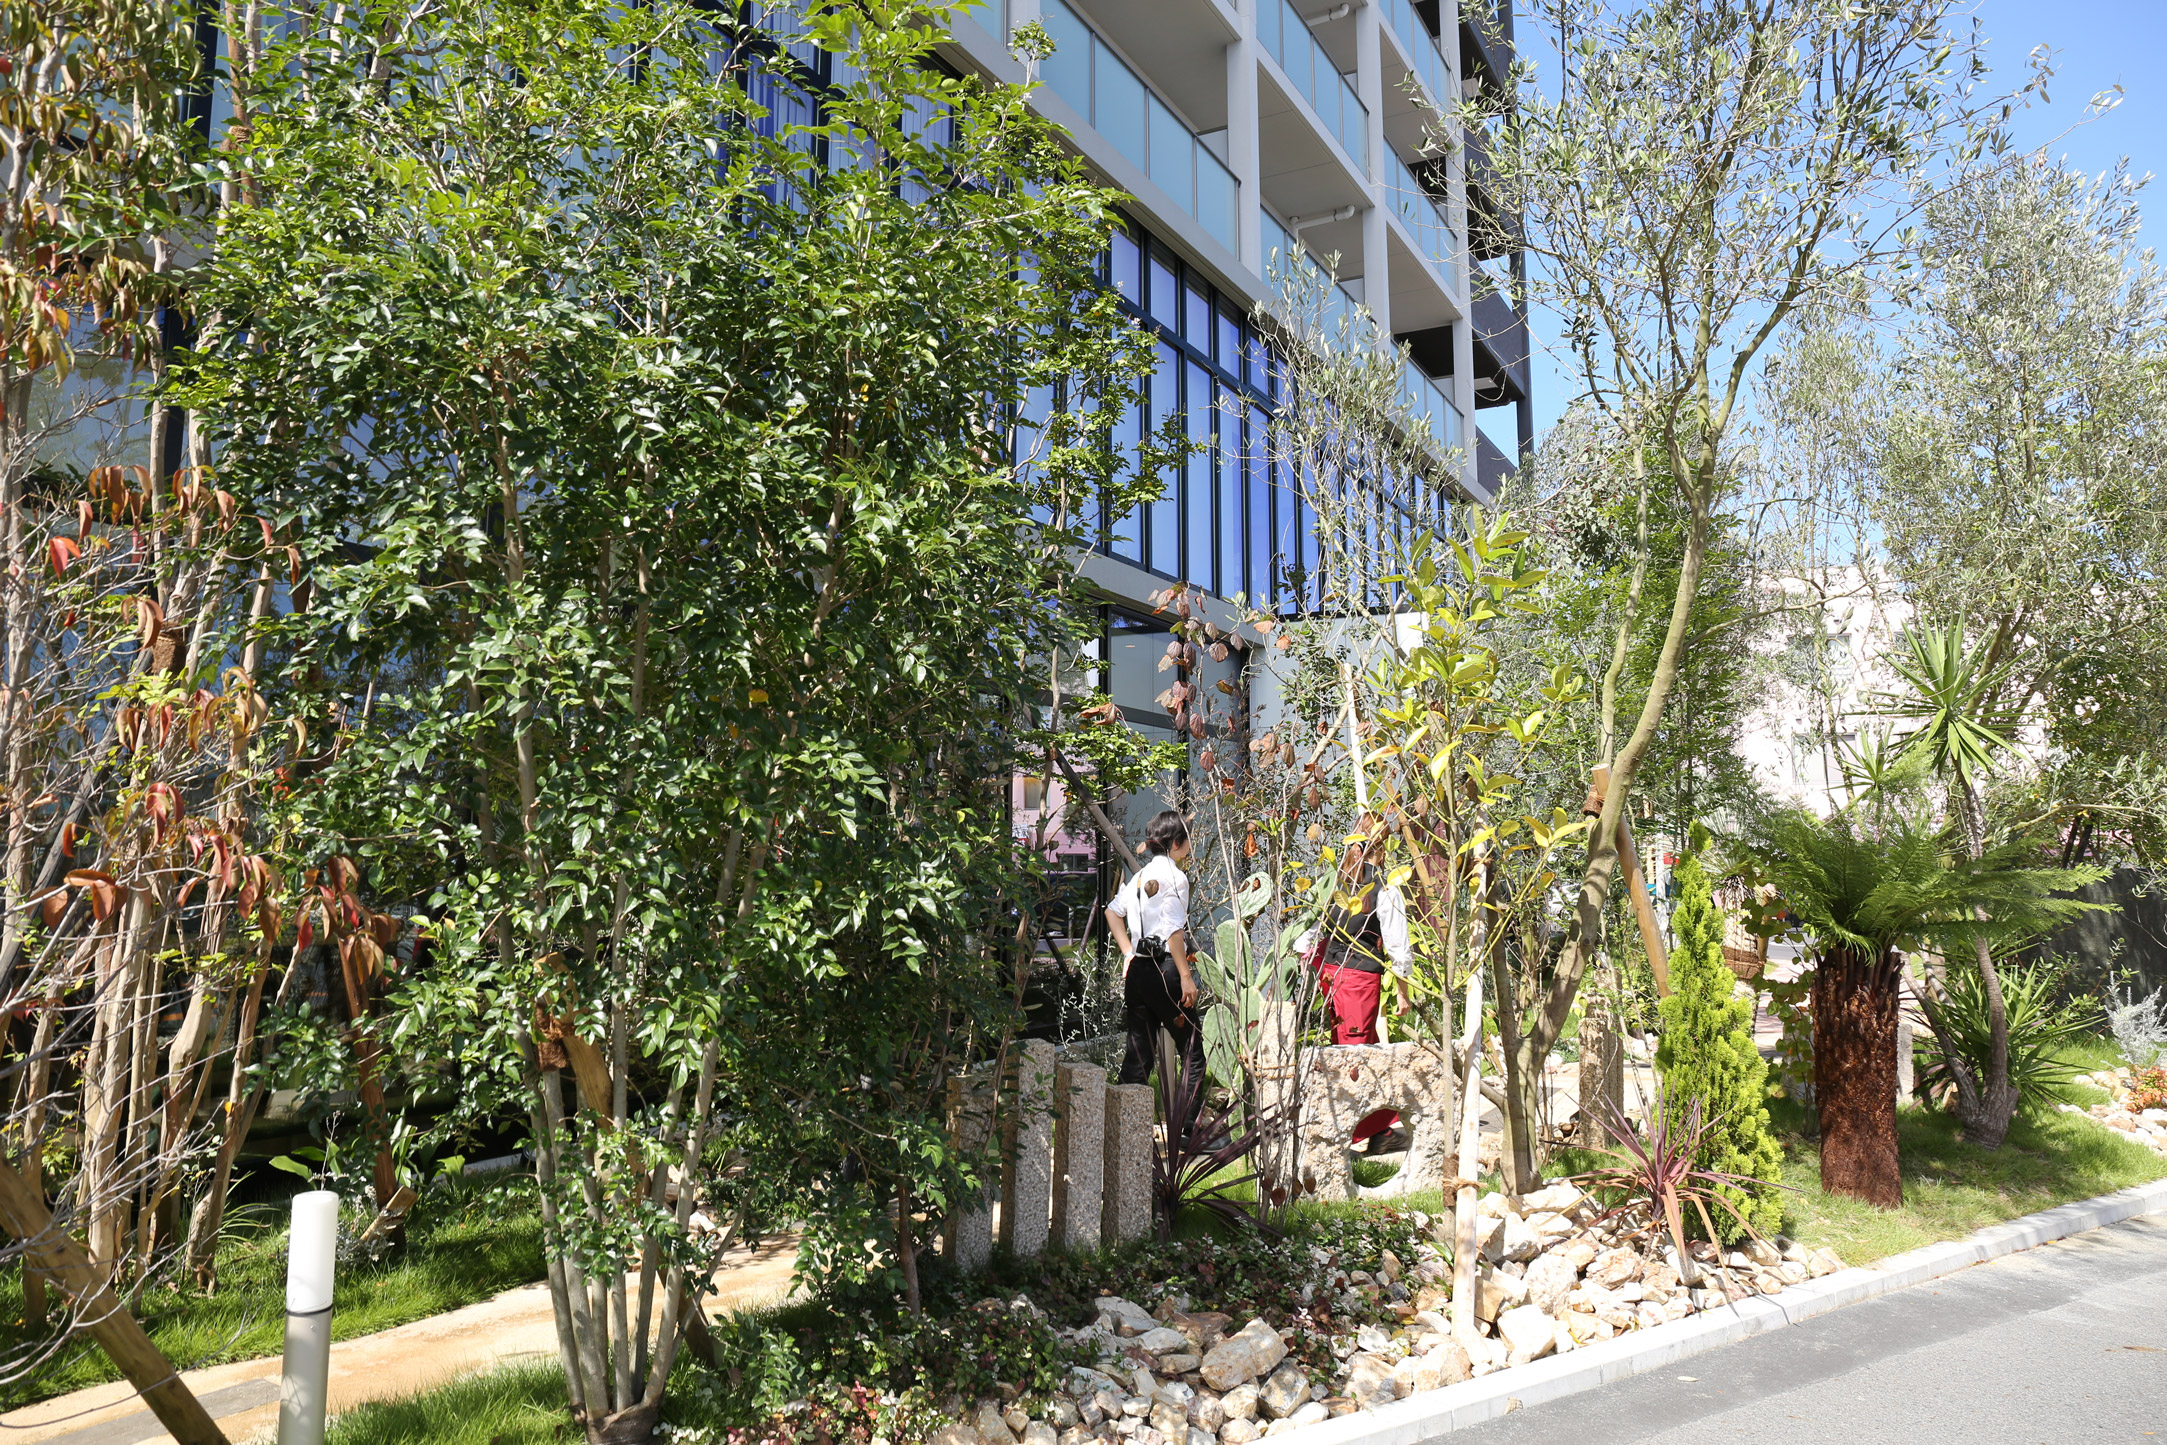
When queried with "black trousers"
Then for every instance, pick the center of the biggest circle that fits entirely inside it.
(1151, 995)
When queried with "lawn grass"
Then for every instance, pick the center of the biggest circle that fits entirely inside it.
(1952, 1188)
(521, 1405)
(464, 1245)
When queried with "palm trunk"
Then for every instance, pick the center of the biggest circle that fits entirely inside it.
(1854, 1074)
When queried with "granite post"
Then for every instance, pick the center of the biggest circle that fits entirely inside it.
(1027, 1152)
(967, 1232)
(1079, 1155)
(1126, 1213)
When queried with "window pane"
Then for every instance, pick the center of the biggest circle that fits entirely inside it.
(1125, 539)
(1258, 464)
(1067, 72)
(1127, 257)
(1229, 352)
(1165, 288)
(1230, 455)
(1215, 198)
(1196, 316)
(1164, 535)
(1197, 546)
(1173, 159)
(1118, 109)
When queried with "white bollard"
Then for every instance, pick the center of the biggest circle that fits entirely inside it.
(312, 1247)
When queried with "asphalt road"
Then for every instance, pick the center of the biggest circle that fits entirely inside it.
(2064, 1343)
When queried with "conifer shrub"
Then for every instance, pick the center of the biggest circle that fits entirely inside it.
(1706, 1056)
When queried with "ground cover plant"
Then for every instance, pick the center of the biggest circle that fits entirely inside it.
(462, 1246)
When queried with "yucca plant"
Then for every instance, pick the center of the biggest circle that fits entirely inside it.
(1860, 900)
(1655, 1172)
(2040, 1027)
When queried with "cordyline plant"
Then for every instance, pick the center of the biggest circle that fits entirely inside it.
(1197, 1164)
(1656, 1173)
(682, 615)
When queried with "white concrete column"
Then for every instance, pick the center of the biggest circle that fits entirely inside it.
(1369, 85)
(1241, 139)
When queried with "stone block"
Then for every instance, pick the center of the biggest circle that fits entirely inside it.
(1342, 1084)
(967, 1232)
(1027, 1152)
(1079, 1155)
(1125, 1212)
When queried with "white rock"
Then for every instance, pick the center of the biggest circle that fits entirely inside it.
(1315, 1412)
(1529, 1333)
(1240, 1403)
(1251, 1352)
(1207, 1411)
(1170, 1420)
(1062, 1413)
(1195, 1436)
(1077, 1435)
(1372, 1339)
(1614, 1267)
(1496, 1292)
(1037, 1432)
(954, 1433)
(1122, 1317)
(1484, 1352)
(1547, 1281)
(1554, 1199)
(992, 1428)
(1369, 1381)
(1238, 1432)
(1284, 1392)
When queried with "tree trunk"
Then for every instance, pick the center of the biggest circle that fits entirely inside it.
(51, 1252)
(1854, 1074)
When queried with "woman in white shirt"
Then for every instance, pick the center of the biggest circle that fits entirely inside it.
(1149, 919)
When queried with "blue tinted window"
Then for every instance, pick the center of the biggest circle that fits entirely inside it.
(1257, 462)
(1164, 535)
(1124, 533)
(1230, 500)
(1198, 549)
(1229, 352)
(1165, 304)
(1127, 256)
(1196, 317)
(1173, 156)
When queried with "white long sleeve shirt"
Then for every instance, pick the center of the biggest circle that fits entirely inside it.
(1157, 913)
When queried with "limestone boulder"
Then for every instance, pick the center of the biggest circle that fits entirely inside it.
(1370, 1382)
(1038, 1432)
(1179, 1364)
(1250, 1353)
(1824, 1261)
(1548, 1280)
(1284, 1392)
(955, 1433)
(1240, 1403)
(1238, 1432)
(1496, 1292)
(991, 1428)
(1528, 1334)
(1122, 1317)
(1207, 1411)
(1160, 1340)
(1170, 1420)
(1614, 1267)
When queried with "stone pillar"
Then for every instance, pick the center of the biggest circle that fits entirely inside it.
(1125, 1212)
(967, 1232)
(1241, 144)
(1079, 1155)
(1027, 1152)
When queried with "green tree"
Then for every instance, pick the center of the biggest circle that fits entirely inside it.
(1707, 1057)
(1692, 174)
(677, 637)
(1861, 899)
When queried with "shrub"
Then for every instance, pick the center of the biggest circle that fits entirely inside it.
(2040, 1031)
(2140, 1028)
(1710, 1066)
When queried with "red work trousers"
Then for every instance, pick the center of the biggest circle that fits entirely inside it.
(1353, 996)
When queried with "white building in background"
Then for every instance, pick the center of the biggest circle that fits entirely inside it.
(1795, 740)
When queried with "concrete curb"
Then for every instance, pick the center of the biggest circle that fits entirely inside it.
(1438, 1412)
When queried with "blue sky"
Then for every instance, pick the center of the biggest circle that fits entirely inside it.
(2097, 44)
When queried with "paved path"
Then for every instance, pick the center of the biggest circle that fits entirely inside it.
(515, 1327)
(2064, 1343)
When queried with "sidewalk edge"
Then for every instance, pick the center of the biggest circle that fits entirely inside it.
(1455, 1407)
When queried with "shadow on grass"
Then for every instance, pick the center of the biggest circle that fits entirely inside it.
(463, 1247)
